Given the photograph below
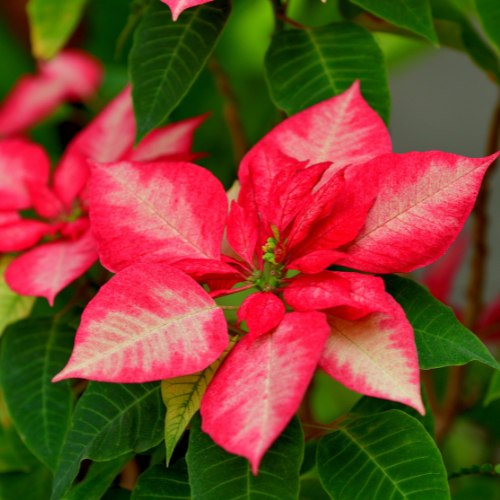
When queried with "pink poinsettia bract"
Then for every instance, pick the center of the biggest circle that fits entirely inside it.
(322, 188)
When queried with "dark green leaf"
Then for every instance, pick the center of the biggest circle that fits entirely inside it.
(370, 406)
(441, 339)
(117, 494)
(414, 15)
(167, 57)
(307, 66)
(309, 461)
(33, 352)
(52, 22)
(386, 456)
(311, 489)
(489, 14)
(36, 484)
(456, 31)
(160, 482)
(215, 474)
(493, 389)
(109, 421)
(98, 479)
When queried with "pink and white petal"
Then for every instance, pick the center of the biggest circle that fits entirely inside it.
(241, 232)
(422, 202)
(200, 269)
(23, 234)
(258, 181)
(343, 129)
(177, 6)
(72, 75)
(259, 387)
(315, 262)
(312, 292)
(108, 138)
(45, 270)
(368, 295)
(21, 161)
(333, 231)
(75, 228)
(173, 140)
(375, 356)
(440, 276)
(149, 322)
(287, 197)
(44, 200)
(262, 311)
(9, 216)
(155, 212)
(318, 206)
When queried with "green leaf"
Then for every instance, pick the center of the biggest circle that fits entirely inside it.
(456, 31)
(167, 57)
(309, 461)
(304, 67)
(493, 391)
(370, 406)
(117, 494)
(160, 482)
(98, 479)
(386, 456)
(215, 474)
(35, 484)
(13, 307)
(182, 397)
(51, 24)
(441, 339)
(14, 455)
(414, 15)
(33, 352)
(311, 489)
(488, 12)
(109, 421)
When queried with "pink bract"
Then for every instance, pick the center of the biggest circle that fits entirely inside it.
(323, 187)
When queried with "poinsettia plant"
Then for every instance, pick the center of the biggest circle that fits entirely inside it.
(246, 322)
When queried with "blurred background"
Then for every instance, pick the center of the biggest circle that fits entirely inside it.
(440, 101)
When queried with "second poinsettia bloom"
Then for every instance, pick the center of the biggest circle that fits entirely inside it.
(322, 188)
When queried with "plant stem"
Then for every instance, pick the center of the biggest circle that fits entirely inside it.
(475, 290)
(231, 114)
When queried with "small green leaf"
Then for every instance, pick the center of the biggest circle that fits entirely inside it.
(98, 479)
(33, 351)
(215, 474)
(51, 23)
(182, 397)
(13, 307)
(414, 15)
(489, 15)
(388, 456)
(370, 406)
(167, 57)
(441, 339)
(456, 31)
(493, 392)
(304, 67)
(109, 421)
(159, 482)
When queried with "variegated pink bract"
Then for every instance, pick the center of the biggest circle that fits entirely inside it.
(62, 206)
(322, 188)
